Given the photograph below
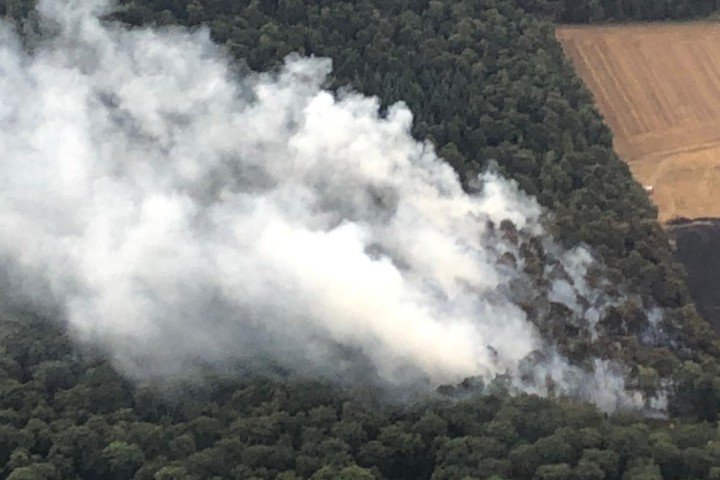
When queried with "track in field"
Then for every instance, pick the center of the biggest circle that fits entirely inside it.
(658, 87)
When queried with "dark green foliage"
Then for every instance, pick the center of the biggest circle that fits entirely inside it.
(595, 11)
(486, 81)
(254, 429)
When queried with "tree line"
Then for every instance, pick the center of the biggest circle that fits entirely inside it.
(603, 11)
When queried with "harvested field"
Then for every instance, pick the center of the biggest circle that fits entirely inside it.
(658, 87)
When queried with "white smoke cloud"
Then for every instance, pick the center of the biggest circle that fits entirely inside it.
(177, 214)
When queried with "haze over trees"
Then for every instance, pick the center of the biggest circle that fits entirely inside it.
(486, 81)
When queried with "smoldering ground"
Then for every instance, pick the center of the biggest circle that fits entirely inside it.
(177, 214)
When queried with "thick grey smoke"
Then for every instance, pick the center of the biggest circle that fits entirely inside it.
(177, 215)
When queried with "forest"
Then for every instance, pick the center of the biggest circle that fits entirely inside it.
(486, 81)
(603, 11)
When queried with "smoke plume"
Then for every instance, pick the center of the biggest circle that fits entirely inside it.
(177, 214)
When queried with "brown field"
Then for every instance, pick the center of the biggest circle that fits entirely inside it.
(658, 87)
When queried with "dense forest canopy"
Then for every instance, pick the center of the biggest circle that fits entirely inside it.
(595, 11)
(486, 81)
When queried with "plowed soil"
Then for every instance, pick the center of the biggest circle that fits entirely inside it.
(658, 87)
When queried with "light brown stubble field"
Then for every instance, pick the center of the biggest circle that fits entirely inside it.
(658, 87)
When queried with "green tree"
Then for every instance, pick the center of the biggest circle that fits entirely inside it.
(123, 459)
(558, 471)
(36, 471)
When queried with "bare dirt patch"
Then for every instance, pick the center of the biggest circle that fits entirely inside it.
(658, 87)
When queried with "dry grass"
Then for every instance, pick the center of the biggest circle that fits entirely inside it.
(658, 87)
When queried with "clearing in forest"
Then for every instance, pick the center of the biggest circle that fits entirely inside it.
(658, 87)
